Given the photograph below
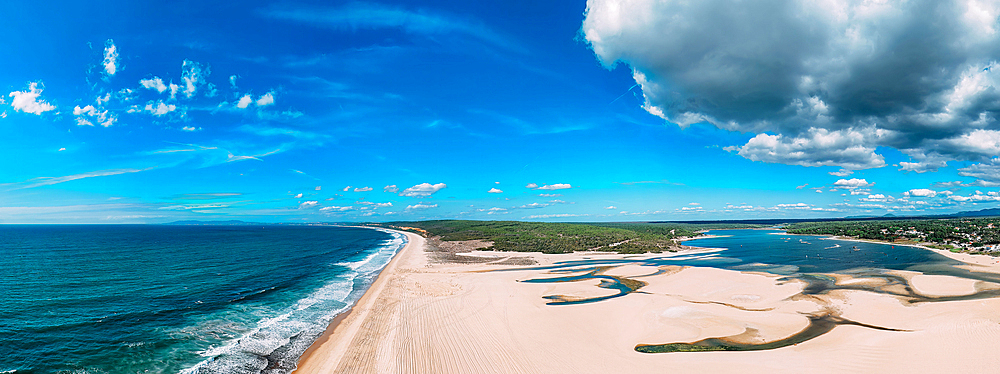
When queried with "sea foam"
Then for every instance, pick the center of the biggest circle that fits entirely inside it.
(274, 345)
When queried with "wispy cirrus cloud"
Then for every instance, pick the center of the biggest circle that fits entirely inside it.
(371, 16)
(277, 131)
(205, 196)
(664, 181)
(549, 187)
(48, 181)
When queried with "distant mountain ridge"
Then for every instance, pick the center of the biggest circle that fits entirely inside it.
(989, 212)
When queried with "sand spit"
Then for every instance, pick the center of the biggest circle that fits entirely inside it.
(424, 316)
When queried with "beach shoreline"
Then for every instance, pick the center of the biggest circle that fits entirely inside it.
(321, 350)
(332, 326)
(429, 316)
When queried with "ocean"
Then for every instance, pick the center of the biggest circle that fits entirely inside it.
(177, 299)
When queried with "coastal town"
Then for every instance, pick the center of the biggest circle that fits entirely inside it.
(971, 235)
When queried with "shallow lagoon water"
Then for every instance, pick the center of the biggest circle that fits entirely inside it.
(814, 260)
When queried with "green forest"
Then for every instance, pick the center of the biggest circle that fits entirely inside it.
(565, 237)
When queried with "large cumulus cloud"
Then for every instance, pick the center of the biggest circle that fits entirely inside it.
(822, 82)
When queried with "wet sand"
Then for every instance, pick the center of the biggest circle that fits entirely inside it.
(429, 316)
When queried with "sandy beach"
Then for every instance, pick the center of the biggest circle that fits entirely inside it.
(476, 313)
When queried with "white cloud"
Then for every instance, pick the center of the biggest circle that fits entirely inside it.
(987, 172)
(336, 209)
(978, 197)
(853, 183)
(348, 188)
(266, 99)
(921, 192)
(318, 188)
(390, 188)
(382, 205)
(423, 190)
(190, 128)
(28, 102)
(299, 196)
(308, 204)
(193, 75)
(880, 198)
(494, 190)
(363, 189)
(611, 207)
(794, 206)
(110, 57)
(244, 101)
(531, 186)
(160, 108)
(232, 81)
(154, 83)
(105, 118)
(849, 149)
(88, 110)
(841, 173)
(533, 206)
(555, 186)
(494, 210)
(421, 206)
(789, 68)
(550, 194)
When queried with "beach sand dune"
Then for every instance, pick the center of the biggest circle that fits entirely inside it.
(421, 316)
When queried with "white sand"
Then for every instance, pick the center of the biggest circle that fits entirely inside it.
(455, 318)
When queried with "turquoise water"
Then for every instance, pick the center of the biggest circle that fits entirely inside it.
(170, 299)
(802, 257)
(816, 261)
(779, 252)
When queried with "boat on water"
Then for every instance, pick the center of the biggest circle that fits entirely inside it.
(855, 248)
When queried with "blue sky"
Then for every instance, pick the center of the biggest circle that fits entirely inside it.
(147, 112)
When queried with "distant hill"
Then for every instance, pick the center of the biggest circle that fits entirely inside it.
(991, 212)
